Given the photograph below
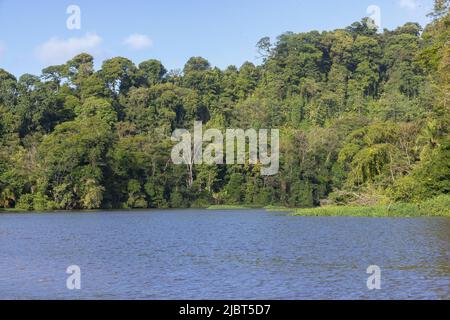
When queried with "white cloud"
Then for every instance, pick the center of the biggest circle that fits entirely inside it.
(138, 41)
(58, 51)
(409, 4)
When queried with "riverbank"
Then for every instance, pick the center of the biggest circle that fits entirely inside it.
(437, 207)
(227, 207)
(10, 210)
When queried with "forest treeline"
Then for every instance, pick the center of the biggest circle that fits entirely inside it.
(363, 118)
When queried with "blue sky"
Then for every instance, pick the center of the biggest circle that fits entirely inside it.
(34, 34)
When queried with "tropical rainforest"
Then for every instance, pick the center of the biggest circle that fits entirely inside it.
(363, 118)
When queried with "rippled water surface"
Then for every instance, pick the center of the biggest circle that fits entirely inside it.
(200, 254)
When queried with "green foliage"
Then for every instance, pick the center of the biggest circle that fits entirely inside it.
(439, 206)
(151, 72)
(226, 207)
(36, 202)
(429, 178)
(233, 190)
(96, 107)
(72, 161)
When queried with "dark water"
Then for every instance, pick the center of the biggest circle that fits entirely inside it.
(195, 254)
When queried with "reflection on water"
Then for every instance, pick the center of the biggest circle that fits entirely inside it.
(196, 254)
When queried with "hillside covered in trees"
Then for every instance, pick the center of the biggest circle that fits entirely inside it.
(363, 119)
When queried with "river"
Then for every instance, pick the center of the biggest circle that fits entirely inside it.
(229, 254)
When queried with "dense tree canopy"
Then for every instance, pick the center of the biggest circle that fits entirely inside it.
(363, 116)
